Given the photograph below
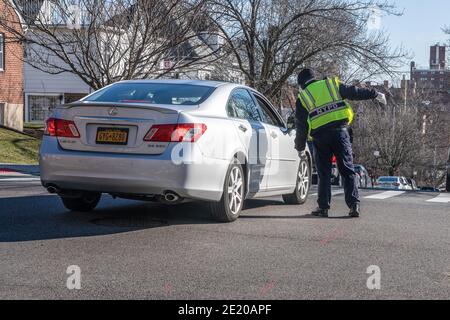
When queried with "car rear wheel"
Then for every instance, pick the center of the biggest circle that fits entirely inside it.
(230, 205)
(301, 192)
(84, 203)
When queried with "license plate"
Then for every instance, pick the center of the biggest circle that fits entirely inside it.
(118, 136)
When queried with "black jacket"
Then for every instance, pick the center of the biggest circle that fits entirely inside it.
(301, 115)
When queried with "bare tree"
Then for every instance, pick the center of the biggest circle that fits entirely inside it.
(272, 39)
(409, 138)
(393, 132)
(103, 41)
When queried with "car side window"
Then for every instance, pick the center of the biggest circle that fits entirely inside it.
(268, 116)
(242, 106)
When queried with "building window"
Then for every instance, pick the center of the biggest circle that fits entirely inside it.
(2, 52)
(40, 107)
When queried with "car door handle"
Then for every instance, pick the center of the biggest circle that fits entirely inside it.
(243, 128)
(274, 135)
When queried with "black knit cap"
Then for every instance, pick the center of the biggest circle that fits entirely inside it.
(305, 77)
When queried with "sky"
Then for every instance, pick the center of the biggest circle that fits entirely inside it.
(419, 27)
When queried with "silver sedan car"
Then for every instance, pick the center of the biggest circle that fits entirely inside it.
(172, 141)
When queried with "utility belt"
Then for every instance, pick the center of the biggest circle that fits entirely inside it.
(337, 126)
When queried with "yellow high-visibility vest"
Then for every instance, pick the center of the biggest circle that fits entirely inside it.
(324, 103)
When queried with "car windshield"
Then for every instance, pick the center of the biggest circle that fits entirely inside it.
(388, 179)
(155, 93)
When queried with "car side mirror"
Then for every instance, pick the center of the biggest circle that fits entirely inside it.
(291, 121)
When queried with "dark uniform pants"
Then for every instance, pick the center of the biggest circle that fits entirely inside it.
(326, 143)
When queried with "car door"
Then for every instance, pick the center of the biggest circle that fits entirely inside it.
(244, 113)
(283, 157)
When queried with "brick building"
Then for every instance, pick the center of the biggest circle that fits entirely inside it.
(437, 76)
(11, 71)
(433, 85)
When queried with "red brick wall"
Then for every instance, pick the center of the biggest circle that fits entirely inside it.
(11, 79)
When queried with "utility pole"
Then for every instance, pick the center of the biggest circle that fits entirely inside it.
(406, 93)
(434, 166)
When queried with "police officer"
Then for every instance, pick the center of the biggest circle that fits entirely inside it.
(324, 115)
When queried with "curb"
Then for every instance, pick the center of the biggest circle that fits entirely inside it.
(21, 168)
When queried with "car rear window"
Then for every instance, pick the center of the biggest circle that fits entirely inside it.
(154, 93)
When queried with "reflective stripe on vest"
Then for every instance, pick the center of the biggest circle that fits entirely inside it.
(324, 103)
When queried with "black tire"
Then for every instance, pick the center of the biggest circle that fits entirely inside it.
(222, 211)
(85, 203)
(300, 195)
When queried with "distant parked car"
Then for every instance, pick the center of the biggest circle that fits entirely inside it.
(336, 179)
(412, 183)
(363, 176)
(394, 183)
(429, 189)
(335, 176)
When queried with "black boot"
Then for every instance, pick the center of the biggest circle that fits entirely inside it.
(320, 213)
(355, 211)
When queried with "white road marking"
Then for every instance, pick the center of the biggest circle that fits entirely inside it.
(442, 198)
(333, 193)
(385, 195)
(337, 192)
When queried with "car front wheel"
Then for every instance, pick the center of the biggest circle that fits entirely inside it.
(300, 195)
(230, 205)
(85, 202)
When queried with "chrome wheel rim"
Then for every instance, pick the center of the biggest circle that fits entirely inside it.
(303, 180)
(235, 190)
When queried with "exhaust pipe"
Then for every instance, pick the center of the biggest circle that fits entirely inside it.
(171, 197)
(53, 189)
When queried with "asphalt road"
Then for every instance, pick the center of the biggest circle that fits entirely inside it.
(129, 249)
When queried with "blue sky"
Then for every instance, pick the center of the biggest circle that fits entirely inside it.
(419, 27)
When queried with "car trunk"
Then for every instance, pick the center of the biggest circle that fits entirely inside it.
(117, 128)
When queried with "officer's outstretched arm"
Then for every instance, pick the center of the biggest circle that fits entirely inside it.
(357, 93)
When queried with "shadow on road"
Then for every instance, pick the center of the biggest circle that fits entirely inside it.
(308, 216)
(45, 218)
(261, 203)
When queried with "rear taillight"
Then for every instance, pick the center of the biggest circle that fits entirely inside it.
(61, 128)
(396, 184)
(182, 132)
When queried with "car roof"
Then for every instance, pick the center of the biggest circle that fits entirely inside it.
(206, 83)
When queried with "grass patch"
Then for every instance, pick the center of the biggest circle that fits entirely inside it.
(33, 125)
(18, 148)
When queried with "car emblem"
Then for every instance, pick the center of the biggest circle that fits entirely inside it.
(113, 111)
